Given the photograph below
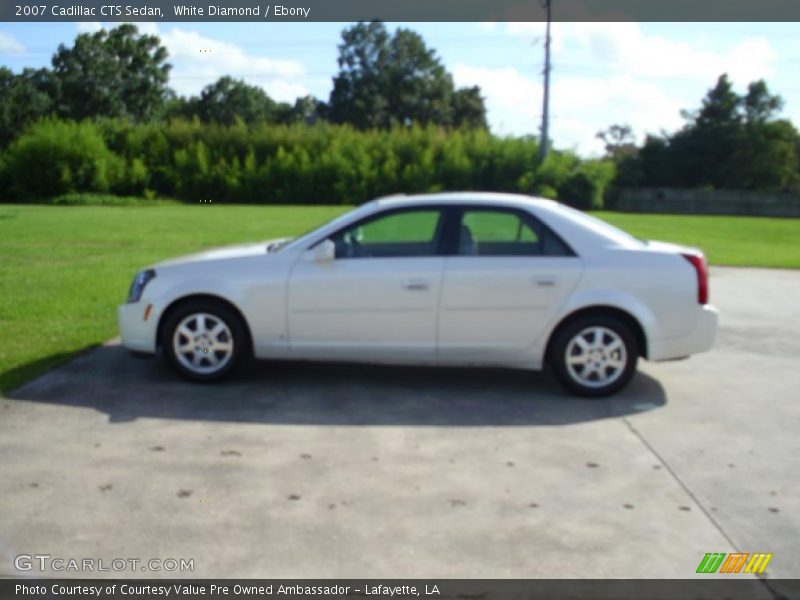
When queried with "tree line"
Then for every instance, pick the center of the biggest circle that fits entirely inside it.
(733, 141)
(294, 163)
(104, 119)
(385, 79)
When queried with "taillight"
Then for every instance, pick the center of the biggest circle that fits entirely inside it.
(701, 268)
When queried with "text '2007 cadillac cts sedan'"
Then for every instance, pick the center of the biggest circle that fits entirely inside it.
(444, 279)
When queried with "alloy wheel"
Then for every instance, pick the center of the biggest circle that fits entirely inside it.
(203, 343)
(596, 357)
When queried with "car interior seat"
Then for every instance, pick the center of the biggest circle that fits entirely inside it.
(466, 243)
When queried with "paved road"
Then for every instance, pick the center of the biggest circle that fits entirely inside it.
(347, 471)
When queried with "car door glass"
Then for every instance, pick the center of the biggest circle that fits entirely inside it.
(496, 233)
(398, 234)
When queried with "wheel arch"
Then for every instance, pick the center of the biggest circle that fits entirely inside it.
(178, 302)
(600, 310)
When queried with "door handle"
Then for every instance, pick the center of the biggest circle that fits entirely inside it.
(416, 284)
(545, 280)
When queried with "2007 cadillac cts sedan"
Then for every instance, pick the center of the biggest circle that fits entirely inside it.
(445, 279)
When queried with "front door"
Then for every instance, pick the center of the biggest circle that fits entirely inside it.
(377, 300)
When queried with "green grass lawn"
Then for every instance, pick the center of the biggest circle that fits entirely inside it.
(731, 241)
(64, 269)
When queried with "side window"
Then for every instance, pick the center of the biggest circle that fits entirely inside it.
(399, 234)
(488, 232)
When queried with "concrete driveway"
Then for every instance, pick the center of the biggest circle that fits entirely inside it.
(297, 470)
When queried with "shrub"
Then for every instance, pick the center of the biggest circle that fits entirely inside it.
(584, 188)
(105, 200)
(298, 164)
(60, 157)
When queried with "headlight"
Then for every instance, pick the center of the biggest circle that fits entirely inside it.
(139, 282)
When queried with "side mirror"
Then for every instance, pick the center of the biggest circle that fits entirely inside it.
(325, 251)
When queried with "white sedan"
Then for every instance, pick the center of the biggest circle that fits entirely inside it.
(442, 279)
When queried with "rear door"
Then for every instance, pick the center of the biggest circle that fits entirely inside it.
(506, 276)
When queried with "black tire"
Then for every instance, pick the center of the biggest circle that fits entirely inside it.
(616, 365)
(233, 332)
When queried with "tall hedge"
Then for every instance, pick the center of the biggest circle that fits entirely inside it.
(58, 157)
(297, 164)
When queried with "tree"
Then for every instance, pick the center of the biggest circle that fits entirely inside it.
(358, 95)
(181, 107)
(731, 142)
(468, 108)
(418, 88)
(704, 151)
(619, 141)
(306, 109)
(116, 73)
(228, 98)
(769, 158)
(759, 105)
(386, 80)
(652, 165)
(720, 106)
(24, 98)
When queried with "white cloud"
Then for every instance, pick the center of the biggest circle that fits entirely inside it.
(583, 106)
(580, 106)
(606, 73)
(147, 27)
(198, 60)
(89, 26)
(512, 100)
(9, 44)
(523, 28)
(625, 48)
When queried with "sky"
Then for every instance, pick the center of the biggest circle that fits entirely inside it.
(640, 74)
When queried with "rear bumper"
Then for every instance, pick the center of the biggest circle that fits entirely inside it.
(138, 334)
(700, 339)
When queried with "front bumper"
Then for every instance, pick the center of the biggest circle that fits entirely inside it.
(137, 332)
(700, 339)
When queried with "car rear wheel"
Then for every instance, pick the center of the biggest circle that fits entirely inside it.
(595, 356)
(203, 340)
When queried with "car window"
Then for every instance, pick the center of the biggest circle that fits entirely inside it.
(398, 234)
(506, 233)
(495, 233)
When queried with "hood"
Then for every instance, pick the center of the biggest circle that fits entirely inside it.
(226, 252)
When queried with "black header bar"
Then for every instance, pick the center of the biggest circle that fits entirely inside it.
(398, 10)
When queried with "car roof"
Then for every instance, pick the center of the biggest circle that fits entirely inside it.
(587, 231)
(558, 216)
(484, 198)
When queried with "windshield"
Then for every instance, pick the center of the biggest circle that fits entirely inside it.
(294, 243)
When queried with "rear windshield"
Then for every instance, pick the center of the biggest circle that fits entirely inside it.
(599, 226)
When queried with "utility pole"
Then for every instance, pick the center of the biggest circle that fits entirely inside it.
(544, 140)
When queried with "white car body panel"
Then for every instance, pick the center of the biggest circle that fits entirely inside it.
(496, 308)
(435, 310)
(377, 308)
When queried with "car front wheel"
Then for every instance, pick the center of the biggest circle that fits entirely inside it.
(595, 356)
(203, 341)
